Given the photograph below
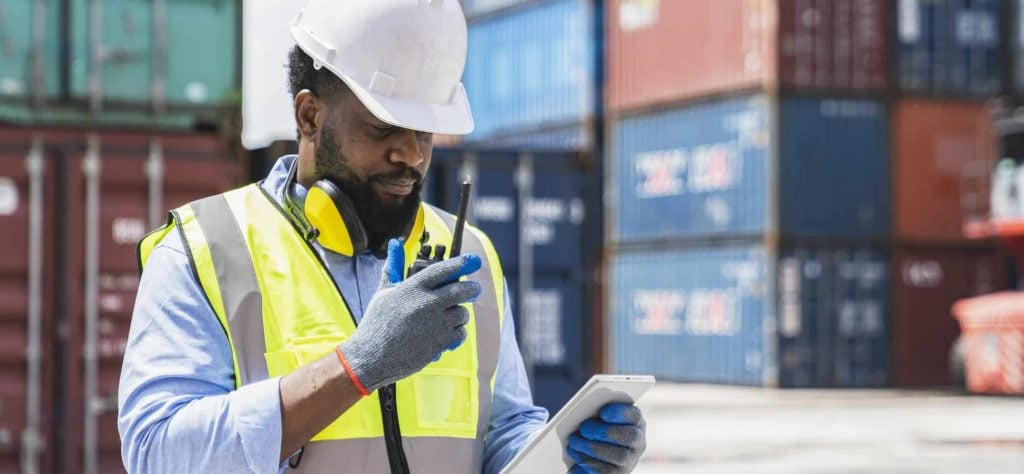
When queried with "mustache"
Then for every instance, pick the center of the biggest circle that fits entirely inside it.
(399, 174)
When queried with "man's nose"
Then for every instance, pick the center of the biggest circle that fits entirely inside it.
(407, 150)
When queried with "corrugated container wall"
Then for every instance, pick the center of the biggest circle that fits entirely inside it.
(926, 283)
(27, 305)
(733, 45)
(123, 168)
(1015, 43)
(184, 54)
(552, 317)
(709, 315)
(30, 50)
(532, 69)
(938, 150)
(480, 7)
(949, 47)
(833, 316)
(709, 170)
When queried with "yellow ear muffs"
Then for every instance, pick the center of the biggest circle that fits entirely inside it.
(334, 217)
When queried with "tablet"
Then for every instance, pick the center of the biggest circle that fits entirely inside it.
(546, 452)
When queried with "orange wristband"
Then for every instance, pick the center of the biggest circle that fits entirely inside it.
(351, 375)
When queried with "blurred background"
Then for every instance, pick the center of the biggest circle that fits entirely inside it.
(803, 216)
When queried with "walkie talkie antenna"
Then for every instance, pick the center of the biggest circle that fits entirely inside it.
(460, 219)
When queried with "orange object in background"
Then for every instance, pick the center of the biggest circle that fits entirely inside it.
(993, 337)
(938, 146)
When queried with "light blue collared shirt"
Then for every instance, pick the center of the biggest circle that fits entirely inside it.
(178, 410)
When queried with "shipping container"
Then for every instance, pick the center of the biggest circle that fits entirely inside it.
(926, 281)
(939, 148)
(118, 187)
(29, 50)
(27, 304)
(949, 47)
(833, 325)
(551, 327)
(532, 69)
(733, 45)
(745, 166)
(803, 315)
(560, 199)
(576, 137)
(144, 53)
(473, 8)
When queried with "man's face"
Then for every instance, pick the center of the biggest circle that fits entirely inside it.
(379, 166)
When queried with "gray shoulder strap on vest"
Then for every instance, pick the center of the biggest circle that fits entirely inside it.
(237, 280)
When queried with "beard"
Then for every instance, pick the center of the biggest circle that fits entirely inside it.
(382, 220)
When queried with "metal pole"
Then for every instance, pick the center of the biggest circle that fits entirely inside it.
(524, 186)
(31, 440)
(91, 168)
(38, 53)
(158, 82)
(155, 174)
(96, 55)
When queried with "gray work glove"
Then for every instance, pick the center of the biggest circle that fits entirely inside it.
(611, 443)
(410, 323)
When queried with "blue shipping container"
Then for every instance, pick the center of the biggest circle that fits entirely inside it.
(709, 315)
(706, 170)
(949, 47)
(558, 207)
(1016, 45)
(532, 68)
(692, 315)
(479, 7)
(551, 329)
(833, 329)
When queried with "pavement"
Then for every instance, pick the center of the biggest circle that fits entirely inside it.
(718, 429)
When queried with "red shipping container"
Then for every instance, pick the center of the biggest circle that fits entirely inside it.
(662, 51)
(993, 336)
(939, 151)
(27, 304)
(119, 186)
(927, 281)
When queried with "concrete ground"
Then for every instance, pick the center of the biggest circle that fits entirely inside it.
(715, 429)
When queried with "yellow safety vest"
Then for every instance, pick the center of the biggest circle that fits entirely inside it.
(280, 309)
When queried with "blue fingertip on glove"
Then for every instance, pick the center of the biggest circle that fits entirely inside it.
(395, 264)
(471, 263)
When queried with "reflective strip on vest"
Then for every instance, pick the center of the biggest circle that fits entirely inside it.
(281, 310)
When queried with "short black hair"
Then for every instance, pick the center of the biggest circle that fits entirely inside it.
(302, 75)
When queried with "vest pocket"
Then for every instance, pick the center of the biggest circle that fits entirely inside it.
(447, 401)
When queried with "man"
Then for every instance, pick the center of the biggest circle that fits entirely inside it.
(277, 325)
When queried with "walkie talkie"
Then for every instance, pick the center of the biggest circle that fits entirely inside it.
(431, 254)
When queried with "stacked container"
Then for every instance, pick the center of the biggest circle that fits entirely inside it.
(948, 62)
(538, 210)
(532, 73)
(131, 63)
(749, 177)
(795, 141)
(101, 107)
(748, 237)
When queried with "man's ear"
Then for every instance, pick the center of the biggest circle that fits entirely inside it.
(307, 106)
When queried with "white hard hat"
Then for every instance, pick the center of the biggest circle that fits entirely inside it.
(403, 59)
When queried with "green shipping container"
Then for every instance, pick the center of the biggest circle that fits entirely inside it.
(29, 49)
(172, 52)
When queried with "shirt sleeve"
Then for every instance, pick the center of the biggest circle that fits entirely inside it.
(178, 410)
(514, 417)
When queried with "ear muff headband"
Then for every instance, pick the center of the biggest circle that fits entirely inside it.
(332, 213)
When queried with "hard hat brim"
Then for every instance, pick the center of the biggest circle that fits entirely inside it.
(454, 118)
